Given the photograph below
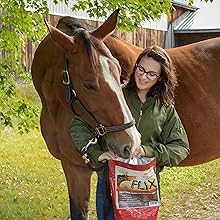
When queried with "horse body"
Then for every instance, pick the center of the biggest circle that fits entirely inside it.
(95, 75)
(197, 101)
(197, 96)
(52, 94)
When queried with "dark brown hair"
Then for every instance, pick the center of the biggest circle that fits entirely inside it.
(165, 87)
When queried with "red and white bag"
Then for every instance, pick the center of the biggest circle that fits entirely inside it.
(134, 189)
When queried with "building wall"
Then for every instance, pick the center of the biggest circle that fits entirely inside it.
(65, 10)
(141, 37)
(188, 38)
(176, 17)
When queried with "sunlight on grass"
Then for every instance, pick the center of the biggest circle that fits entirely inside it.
(186, 191)
(32, 181)
(27, 90)
(33, 186)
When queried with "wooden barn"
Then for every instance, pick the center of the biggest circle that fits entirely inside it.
(179, 13)
(162, 32)
(151, 32)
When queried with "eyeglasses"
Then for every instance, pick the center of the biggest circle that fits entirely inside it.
(151, 75)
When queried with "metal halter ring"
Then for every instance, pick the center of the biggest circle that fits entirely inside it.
(101, 130)
(66, 77)
(74, 92)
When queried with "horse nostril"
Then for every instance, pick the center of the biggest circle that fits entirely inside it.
(126, 152)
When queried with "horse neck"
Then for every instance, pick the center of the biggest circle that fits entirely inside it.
(125, 52)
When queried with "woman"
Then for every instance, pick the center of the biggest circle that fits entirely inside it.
(150, 97)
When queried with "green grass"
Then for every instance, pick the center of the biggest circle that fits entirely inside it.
(190, 192)
(27, 90)
(32, 184)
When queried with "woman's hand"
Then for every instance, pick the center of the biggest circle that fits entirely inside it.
(109, 155)
(139, 152)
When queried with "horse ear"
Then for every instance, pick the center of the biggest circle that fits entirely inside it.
(62, 39)
(108, 27)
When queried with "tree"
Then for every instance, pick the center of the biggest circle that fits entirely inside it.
(132, 12)
(23, 19)
(19, 19)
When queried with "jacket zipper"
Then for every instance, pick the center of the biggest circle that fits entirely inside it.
(140, 115)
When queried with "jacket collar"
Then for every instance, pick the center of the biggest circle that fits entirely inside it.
(136, 102)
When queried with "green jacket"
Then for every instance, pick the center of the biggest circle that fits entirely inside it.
(162, 133)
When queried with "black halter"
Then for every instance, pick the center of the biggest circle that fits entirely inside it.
(72, 98)
(99, 129)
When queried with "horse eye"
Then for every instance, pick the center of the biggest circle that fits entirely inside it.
(90, 85)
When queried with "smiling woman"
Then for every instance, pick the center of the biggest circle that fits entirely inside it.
(197, 66)
(150, 99)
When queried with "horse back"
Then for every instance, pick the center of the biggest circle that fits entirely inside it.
(198, 97)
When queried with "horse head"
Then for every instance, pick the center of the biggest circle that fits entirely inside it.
(95, 76)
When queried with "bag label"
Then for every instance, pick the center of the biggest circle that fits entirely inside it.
(135, 188)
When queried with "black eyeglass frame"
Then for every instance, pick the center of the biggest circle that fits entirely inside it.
(150, 74)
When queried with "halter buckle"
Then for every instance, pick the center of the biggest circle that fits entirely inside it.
(74, 92)
(101, 130)
(86, 159)
(66, 77)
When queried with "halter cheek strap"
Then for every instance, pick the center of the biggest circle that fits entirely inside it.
(99, 129)
(72, 98)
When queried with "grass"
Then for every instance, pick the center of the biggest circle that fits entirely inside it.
(27, 90)
(32, 184)
(191, 192)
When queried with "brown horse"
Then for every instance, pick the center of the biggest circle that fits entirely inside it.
(93, 81)
(197, 99)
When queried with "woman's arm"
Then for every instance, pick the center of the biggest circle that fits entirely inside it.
(81, 135)
(175, 146)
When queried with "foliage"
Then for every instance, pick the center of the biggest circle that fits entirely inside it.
(18, 24)
(132, 12)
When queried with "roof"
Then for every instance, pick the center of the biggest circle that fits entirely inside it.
(204, 19)
(183, 4)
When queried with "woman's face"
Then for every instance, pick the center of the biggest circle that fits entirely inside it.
(147, 73)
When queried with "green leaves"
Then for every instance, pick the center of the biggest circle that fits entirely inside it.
(17, 24)
(132, 12)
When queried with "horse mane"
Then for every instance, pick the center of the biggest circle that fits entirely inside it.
(74, 23)
(77, 27)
